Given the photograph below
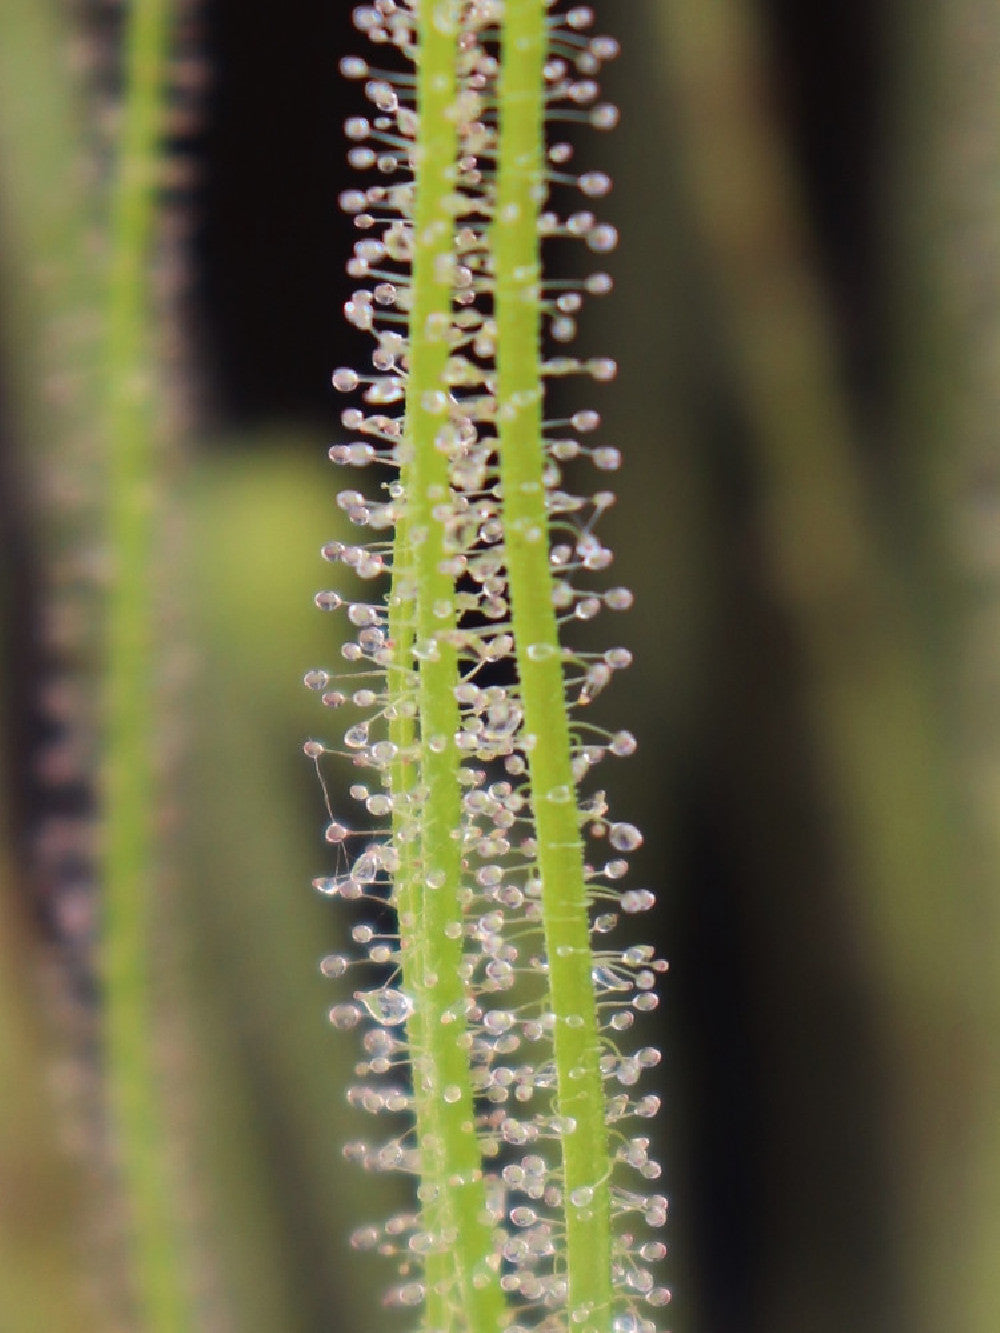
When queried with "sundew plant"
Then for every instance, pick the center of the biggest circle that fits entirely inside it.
(494, 994)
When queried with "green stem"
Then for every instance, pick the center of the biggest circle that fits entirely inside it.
(129, 788)
(408, 897)
(451, 1166)
(580, 1093)
(408, 900)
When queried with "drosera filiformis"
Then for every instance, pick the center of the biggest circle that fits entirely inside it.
(495, 1011)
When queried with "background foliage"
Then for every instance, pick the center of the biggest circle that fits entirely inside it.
(807, 325)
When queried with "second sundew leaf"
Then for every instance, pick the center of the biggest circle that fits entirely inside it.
(460, 1287)
(521, 192)
(460, 1243)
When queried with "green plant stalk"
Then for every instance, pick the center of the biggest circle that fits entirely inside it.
(451, 1166)
(129, 786)
(408, 901)
(408, 896)
(560, 857)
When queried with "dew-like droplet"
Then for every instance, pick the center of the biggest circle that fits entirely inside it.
(345, 1016)
(365, 868)
(386, 1005)
(538, 652)
(328, 885)
(637, 900)
(409, 1295)
(602, 368)
(364, 1238)
(594, 184)
(623, 743)
(619, 599)
(604, 117)
(598, 284)
(602, 239)
(607, 459)
(624, 837)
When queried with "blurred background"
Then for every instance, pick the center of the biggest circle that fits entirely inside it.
(807, 320)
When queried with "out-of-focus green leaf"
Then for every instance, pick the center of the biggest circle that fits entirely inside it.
(271, 1075)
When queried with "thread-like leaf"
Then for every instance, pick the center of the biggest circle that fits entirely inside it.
(499, 1003)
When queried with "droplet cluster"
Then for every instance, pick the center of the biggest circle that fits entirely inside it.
(505, 1022)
